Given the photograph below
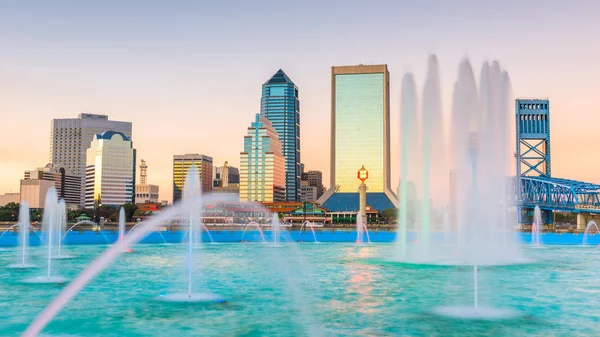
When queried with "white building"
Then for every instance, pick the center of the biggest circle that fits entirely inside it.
(110, 170)
(146, 194)
(71, 137)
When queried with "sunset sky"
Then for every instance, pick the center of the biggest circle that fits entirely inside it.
(188, 74)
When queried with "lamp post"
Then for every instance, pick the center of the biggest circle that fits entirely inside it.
(362, 175)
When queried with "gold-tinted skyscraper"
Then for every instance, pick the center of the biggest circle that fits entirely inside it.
(360, 135)
(182, 163)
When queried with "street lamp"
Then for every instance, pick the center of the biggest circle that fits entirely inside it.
(363, 174)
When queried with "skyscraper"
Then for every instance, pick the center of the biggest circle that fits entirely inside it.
(71, 137)
(262, 165)
(279, 104)
(181, 164)
(360, 135)
(110, 171)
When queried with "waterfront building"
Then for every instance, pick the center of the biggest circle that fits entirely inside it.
(68, 185)
(110, 171)
(71, 137)
(182, 163)
(280, 105)
(144, 192)
(262, 165)
(360, 136)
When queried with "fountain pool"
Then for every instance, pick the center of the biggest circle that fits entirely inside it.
(354, 291)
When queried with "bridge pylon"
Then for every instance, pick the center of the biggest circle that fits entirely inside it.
(533, 156)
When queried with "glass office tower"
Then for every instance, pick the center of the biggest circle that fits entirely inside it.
(360, 135)
(280, 105)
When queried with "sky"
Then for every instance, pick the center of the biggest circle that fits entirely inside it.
(188, 74)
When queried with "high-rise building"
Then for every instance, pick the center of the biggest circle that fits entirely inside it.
(144, 192)
(360, 135)
(110, 171)
(315, 179)
(68, 185)
(182, 163)
(280, 105)
(262, 165)
(71, 137)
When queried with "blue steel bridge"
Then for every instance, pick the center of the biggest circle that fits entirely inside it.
(535, 185)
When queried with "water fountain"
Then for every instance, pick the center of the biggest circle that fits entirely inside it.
(587, 232)
(275, 229)
(191, 191)
(475, 230)
(49, 226)
(312, 229)
(536, 227)
(23, 237)
(61, 224)
(471, 234)
(361, 230)
(156, 231)
(254, 224)
(122, 220)
(407, 155)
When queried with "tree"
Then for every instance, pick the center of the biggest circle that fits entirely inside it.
(12, 206)
(390, 214)
(129, 210)
(7, 215)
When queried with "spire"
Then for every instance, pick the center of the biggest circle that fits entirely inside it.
(279, 77)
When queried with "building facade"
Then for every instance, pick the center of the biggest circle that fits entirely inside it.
(225, 175)
(33, 191)
(280, 105)
(68, 185)
(71, 137)
(315, 179)
(262, 164)
(7, 198)
(309, 193)
(144, 192)
(182, 163)
(110, 171)
(360, 135)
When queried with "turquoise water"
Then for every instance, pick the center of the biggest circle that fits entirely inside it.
(332, 289)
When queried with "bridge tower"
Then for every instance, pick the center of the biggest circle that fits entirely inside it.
(533, 147)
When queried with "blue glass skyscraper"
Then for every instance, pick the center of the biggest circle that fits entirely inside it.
(279, 104)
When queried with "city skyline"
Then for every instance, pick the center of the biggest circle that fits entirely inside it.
(129, 79)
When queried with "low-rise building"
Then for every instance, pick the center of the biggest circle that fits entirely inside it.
(7, 198)
(67, 184)
(33, 191)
